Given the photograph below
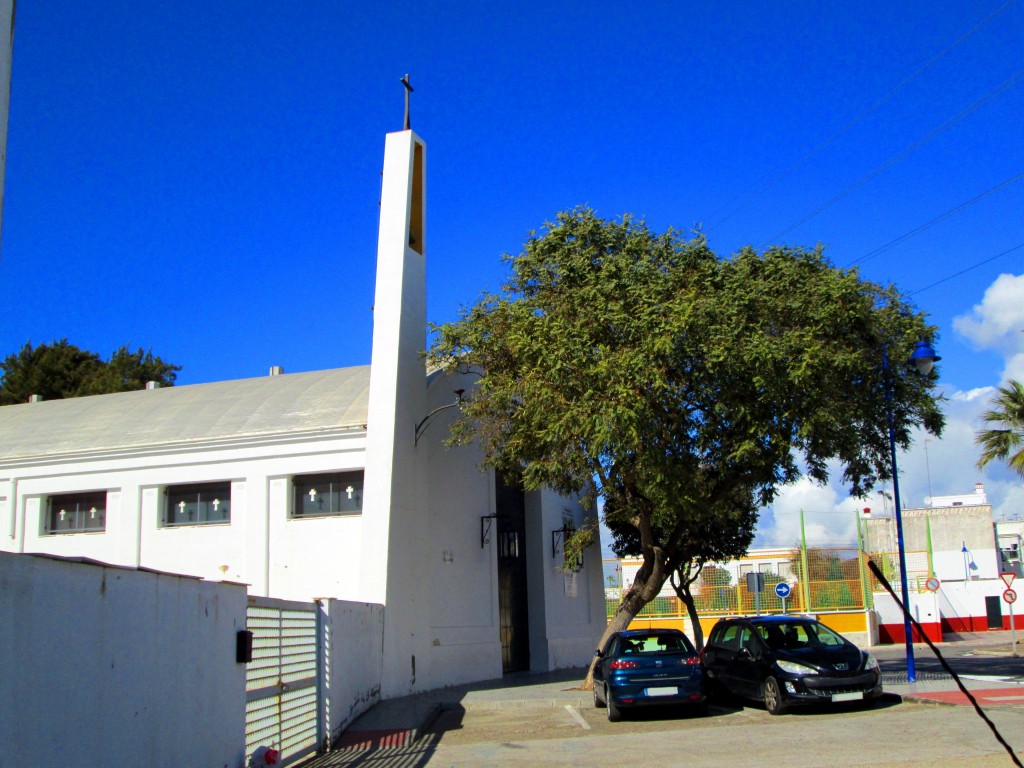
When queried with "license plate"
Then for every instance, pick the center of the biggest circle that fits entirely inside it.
(663, 691)
(857, 696)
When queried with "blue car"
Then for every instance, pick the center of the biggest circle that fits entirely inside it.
(639, 668)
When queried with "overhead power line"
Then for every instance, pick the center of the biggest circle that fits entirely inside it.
(768, 182)
(900, 156)
(936, 220)
(965, 271)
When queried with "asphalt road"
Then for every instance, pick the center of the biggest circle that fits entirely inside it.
(989, 660)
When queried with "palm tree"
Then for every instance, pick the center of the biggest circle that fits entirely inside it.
(1006, 443)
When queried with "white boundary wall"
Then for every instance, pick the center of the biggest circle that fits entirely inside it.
(355, 661)
(130, 667)
(106, 665)
(963, 603)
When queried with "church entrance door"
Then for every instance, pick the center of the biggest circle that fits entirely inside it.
(512, 602)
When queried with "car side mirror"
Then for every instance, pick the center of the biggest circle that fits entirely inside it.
(598, 653)
(744, 653)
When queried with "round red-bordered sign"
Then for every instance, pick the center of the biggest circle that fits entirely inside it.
(1010, 596)
(932, 585)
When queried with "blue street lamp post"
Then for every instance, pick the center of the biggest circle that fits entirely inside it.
(924, 358)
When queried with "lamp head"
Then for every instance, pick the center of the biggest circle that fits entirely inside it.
(924, 357)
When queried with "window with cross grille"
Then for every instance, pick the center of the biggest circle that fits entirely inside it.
(334, 493)
(76, 513)
(199, 504)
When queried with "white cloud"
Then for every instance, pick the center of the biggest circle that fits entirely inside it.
(932, 466)
(998, 321)
(1011, 498)
(972, 394)
(1014, 367)
(829, 516)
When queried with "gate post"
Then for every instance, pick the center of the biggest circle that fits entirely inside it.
(323, 655)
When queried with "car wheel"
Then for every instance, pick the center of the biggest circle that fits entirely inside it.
(598, 703)
(773, 697)
(614, 713)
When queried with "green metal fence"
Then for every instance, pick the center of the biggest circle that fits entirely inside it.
(821, 579)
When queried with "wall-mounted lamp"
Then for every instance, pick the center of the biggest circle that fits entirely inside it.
(558, 538)
(485, 529)
(422, 426)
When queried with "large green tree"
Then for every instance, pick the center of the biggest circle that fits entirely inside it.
(1005, 442)
(59, 370)
(682, 387)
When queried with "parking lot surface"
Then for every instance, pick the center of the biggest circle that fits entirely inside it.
(547, 720)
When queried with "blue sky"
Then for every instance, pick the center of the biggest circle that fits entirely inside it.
(202, 178)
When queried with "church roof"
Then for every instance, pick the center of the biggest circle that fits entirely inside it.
(270, 405)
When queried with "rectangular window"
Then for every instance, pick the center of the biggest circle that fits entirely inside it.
(198, 504)
(336, 493)
(76, 512)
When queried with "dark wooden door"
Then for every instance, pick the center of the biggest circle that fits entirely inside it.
(994, 611)
(513, 608)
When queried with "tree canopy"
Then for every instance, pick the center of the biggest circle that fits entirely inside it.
(683, 388)
(59, 370)
(1005, 442)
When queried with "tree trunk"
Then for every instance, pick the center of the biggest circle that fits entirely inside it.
(691, 610)
(638, 595)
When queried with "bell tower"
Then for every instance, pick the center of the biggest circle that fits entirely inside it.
(395, 510)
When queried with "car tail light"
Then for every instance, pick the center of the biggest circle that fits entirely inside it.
(621, 664)
(691, 661)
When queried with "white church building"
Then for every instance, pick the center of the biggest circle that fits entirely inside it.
(325, 484)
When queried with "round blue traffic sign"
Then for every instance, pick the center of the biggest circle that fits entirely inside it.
(782, 589)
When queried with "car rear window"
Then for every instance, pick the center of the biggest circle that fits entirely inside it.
(657, 643)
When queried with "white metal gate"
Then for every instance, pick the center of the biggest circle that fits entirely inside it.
(284, 707)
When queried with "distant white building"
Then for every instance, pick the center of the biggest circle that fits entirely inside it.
(977, 498)
(330, 483)
(953, 540)
(1010, 540)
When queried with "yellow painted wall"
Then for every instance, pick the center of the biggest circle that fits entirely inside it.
(843, 623)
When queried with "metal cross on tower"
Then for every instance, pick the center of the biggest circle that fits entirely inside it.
(408, 90)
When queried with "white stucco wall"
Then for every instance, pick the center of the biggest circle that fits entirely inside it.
(119, 667)
(960, 601)
(297, 559)
(355, 660)
(924, 607)
(450, 611)
(951, 565)
(567, 609)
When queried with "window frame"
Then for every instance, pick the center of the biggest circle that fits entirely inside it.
(93, 498)
(221, 489)
(346, 479)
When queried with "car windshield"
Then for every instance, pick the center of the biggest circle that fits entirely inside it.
(656, 643)
(798, 634)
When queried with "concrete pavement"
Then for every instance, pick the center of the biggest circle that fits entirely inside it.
(399, 722)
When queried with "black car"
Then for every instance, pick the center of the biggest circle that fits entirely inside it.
(787, 660)
(641, 668)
